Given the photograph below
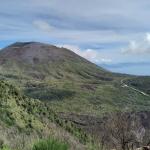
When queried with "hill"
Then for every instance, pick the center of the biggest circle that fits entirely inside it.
(24, 121)
(43, 61)
(62, 95)
(66, 81)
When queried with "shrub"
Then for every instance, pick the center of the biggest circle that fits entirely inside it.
(5, 148)
(50, 144)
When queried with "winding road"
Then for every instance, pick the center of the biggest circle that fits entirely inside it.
(139, 91)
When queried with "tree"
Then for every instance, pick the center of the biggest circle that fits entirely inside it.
(120, 129)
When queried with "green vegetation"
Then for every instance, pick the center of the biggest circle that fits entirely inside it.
(26, 117)
(66, 81)
(141, 83)
(94, 97)
(50, 144)
(5, 148)
(51, 81)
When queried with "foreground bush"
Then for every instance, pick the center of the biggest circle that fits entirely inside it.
(5, 148)
(50, 144)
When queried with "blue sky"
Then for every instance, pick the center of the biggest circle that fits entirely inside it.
(112, 33)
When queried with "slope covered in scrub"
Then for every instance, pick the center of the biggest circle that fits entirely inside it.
(24, 120)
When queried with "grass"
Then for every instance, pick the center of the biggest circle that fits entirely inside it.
(95, 96)
(50, 144)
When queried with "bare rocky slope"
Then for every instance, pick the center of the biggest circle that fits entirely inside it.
(40, 60)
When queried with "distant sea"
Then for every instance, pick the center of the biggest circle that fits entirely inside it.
(134, 69)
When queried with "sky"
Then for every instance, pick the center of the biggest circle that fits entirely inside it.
(114, 34)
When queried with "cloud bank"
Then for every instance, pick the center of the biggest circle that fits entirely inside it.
(89, 54)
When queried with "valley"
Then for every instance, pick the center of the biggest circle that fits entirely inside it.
(51, 91)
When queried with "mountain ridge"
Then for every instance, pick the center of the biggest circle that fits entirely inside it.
(55, 84)
(67, 81)
(39, 59)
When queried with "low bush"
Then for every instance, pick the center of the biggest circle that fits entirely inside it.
(5, 148)
(50, 144)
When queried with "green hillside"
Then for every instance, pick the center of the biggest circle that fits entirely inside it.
(53, 94)
(66, 81)
(23, 121)
(141, 83)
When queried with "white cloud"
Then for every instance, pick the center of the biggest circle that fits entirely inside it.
(141, 46)
(106, 60)
(89, 54)
(148, 37)
(43, 25)
(80, 36)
